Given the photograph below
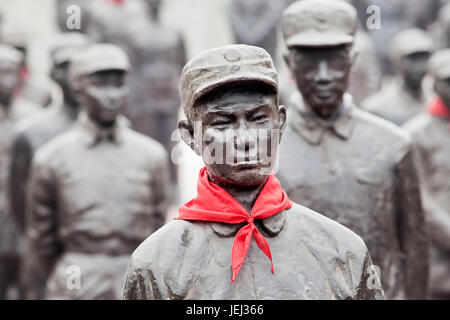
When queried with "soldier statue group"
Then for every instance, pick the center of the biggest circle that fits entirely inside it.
(327, 179)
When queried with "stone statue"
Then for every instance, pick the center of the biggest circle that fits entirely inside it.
(430, 132)
(255, 22)
(11, 111)
(96, 191)
(33, 89)
(404, 98)
(34, 131)
(108, 20)
(335, 158)
(365, 75)
(278, 249)
(157, 54)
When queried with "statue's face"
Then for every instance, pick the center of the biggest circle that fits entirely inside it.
(442, 88)
(104, 95)
(241, 131)
(60, 75)
(413, 68)
(9, 79)
(322, 75)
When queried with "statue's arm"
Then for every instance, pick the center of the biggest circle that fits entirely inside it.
(42, 233)
(412, 228)
(21, 155)
(161, 191)
(370, 287)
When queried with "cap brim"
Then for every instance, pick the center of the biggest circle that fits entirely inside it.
(318, 39)
(233, 79)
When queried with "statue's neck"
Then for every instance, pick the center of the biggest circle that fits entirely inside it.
(245, 195)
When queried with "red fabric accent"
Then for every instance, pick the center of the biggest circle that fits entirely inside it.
(116, 2)
(215, 204)
(438, 108)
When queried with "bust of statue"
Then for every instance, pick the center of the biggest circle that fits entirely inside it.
(278, 249)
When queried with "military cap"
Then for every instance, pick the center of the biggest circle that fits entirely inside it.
(67, 45)
(10, 54)
(410, 41)
(439, 64)
(98, 57)
(213, 68)
(319, 23)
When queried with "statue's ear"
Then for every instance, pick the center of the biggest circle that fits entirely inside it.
(186, 131)
(282, 119)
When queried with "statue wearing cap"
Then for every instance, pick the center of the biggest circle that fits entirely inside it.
(431, 131)
(337, 159)
(254, 22)
(157, 54)
(404, 98)
(11, 111)
(278, 249)
(97, 190)
(34, 131)
(33, 89)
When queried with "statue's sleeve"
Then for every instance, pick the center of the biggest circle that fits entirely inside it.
(412, 228)
(141, 284)
(42, 217)
(370, 287)
(21, 155)
(161, 190)
(436, 216)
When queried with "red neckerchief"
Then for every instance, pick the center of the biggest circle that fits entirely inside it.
(115, 2)
(215, 204)
(438, 108)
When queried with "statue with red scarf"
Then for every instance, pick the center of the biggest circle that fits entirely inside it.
(431, 135)
(278, 249)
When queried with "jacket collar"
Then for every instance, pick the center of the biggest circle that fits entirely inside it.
(312, 128)
(270, 227)
(92, 134)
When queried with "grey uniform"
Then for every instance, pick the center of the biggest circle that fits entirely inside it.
(394, 103)
(94, 196)
(431, 136)
(191, 260)
(357, 169)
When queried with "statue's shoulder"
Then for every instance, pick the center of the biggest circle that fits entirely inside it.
(166, 246)
(315, 228)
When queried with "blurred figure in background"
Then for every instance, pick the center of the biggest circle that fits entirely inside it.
(255, 22)
(365, 78)
(98, 190)
(33, 88)
(35, 131)
(11, 111)
(404, 98)
(355, 168)
(431, 136)
(157, 55)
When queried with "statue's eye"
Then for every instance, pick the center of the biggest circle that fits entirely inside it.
(221, 123)
(259, 118)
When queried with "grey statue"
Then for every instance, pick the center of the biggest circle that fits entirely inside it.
(33, 89)
(34, 131)
(11, 111)
(344, 162)
(157, 54)
(97, 190)
(430, 132)
(404, 98)
(255, 22)
(227, 93)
